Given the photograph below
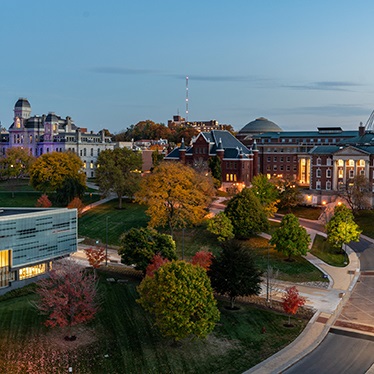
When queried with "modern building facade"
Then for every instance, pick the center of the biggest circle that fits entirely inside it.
(51, 133)
(31, 239)
(238, 163)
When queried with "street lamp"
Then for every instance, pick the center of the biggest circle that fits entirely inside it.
(106, 245)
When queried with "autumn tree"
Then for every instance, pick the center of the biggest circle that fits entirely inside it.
(215, 167)
(290, 238)
(176, 195)
(203, 259)
(43, 202)
(267, 193)
(156, 262)
(16, 163)
(50, 170)
(246, 214)
(234, 272)
(139, 245)
(95, 257)
(292, 301)
(118, 171)
(76, 203)
(221, 226)
(181, 299)
(357, 193)
(342, 229)
(68, 296)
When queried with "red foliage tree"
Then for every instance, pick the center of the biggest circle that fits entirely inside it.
(76, 203)
(43, 202)
(95, 257)
(68, 296)
(292, 301)
(203, 259)
(157, 261)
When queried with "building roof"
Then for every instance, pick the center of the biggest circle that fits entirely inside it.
(218, 139)
(260, 125)
(307, 134)
(324, 150)
(366, 139)
(22, 103)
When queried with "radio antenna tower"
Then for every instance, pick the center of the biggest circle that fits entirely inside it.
(187, 99)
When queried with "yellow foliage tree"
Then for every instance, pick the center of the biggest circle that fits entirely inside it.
(51, 169)
(176, 195)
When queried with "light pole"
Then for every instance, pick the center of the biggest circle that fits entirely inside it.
(106, 245)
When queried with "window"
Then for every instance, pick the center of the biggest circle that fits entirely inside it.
(288, 159)
(4, 268)
(275, 167)
(281, 159)
(350, 163)
(328, 173)
(281, 167)
(328, 161)
(91, 165)
(288, 168)
(362, 172)
(318, 173)
(361, 162)
(92, 151)
(328, 185)
(340, 163)
(32, 271)
(318, 185)
(84, 164)
(275, 159)
(340, 173)
(351, 174)
(84, 152)
(318, 161)
(269, 159)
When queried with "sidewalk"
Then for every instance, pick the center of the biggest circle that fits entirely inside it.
(328, 304)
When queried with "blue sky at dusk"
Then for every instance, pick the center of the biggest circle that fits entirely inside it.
(109, 64)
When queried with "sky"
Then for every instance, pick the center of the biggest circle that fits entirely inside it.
(110, 64)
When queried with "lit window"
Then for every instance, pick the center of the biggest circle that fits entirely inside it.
(32, 271)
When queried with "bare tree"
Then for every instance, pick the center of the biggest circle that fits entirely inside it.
(357, 193)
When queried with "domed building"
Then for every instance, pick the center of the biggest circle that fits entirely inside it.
(258, 126)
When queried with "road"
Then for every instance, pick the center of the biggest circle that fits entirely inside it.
(338, 354)
(341, 351)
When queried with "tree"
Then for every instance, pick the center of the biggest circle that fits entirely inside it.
(221, 226)
(290, 238)
(292, 302)
(215, 168)
(95, 257)
(50, 170)
(118, 171)
(357, 193)
(71, 188)
(290, 195)
(342, 229)
(43, 202)
(16, 163)
(246, 214)
(176, 195)
(76, 203)
(181, 299)
(138, 247)
(234, 272)
(267, 193)
(203, 259)
(68, 296)
(157, 157)
(155, 264)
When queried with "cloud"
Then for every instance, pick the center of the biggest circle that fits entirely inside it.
(221, 78)
(122, 71)
(325, 86)
(338, 110)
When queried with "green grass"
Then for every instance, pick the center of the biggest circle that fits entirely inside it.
(93, 223)
(327, 253)
(365, 218)
(126, 333)
(301, 211)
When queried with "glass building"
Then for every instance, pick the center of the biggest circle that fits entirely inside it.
(30, 240)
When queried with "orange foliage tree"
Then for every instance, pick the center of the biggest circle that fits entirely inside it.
(155, 264)
(43, 202)
(76, 203)
(203, 259)
(95, 257)
(292, 301)
(68, 296)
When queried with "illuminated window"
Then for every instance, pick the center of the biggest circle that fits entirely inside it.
(361, 162)
(32, 271)
(5, 275)
(340, 162)
(91, 165)
(340, 173)
(84, 164)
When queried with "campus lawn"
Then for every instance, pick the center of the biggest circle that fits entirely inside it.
(302, 211)
(92, 224)
(123, 339)
(327, 253)
(364, 219)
